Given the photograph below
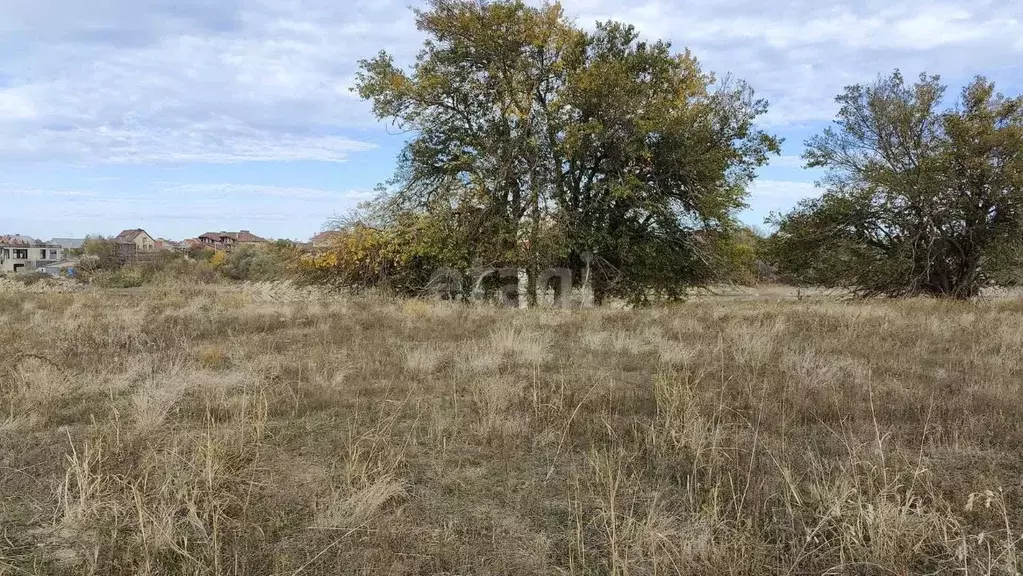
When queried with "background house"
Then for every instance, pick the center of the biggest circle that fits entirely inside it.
(139, 237)
(246, 238)
(230, 241)
(131, 243)
(189, 244)
(211, 240)
(324, 239)
(24, 254)
(68, 243)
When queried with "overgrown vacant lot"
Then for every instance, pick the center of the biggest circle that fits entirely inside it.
(187, 431)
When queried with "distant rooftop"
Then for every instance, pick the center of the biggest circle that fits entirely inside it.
(68, 243)
(240, 236)
(129, 235)
(17, 240)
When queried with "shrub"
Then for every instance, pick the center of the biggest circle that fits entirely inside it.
(217, 260)
(358, 257)
(123, 278)
(259, 264)
(737, 255)
(399, 256)
(201, 253)
(99, 253)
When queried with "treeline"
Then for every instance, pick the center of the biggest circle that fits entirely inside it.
(537, 144)
(101, 264)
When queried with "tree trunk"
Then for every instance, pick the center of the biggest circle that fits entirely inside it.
(523, 292)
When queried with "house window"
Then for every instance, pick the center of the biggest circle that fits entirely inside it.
(53, 254)
(20, 254)
(42, 254)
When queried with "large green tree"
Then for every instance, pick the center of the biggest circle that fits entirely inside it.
(547, 144)
(918, 200)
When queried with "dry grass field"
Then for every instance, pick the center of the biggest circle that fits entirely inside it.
(195, 431)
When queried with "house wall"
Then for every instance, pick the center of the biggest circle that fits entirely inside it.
(126, 251)
(145, 243)
(26, 258)
(211, 243)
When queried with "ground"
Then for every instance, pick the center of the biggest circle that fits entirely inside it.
(213, 430)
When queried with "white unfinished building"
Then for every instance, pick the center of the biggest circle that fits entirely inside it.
(24, 254)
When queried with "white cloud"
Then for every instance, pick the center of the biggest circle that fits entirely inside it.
(159, 81)
(16, 105)
(214, 141)
(156, 81)
(801, 53)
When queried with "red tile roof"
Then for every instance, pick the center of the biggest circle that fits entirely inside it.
(246, 236)
(322, 237)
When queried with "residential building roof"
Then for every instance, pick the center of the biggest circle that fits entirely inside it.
(241, 236)
(68, 243)
(324, 237)
(246, 236)
(17, 240)
(129, 235)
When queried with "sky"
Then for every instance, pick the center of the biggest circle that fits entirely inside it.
(187, 116)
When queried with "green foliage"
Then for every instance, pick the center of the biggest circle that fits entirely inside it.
(537, 143)
(1005, 264)
(239, 265)
(101, 266)
(201, 253)
(99, 253)
(918, 200)
(359, 256)
(260, 264)
(739, 256)
(400, 257)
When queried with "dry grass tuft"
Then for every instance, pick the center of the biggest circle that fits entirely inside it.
(213, 356)
(355, 510)
(424, 360)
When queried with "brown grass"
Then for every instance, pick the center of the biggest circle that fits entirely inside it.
(193, 431)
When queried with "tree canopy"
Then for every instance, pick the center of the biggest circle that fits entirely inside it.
(918, 200)
(534, 143)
